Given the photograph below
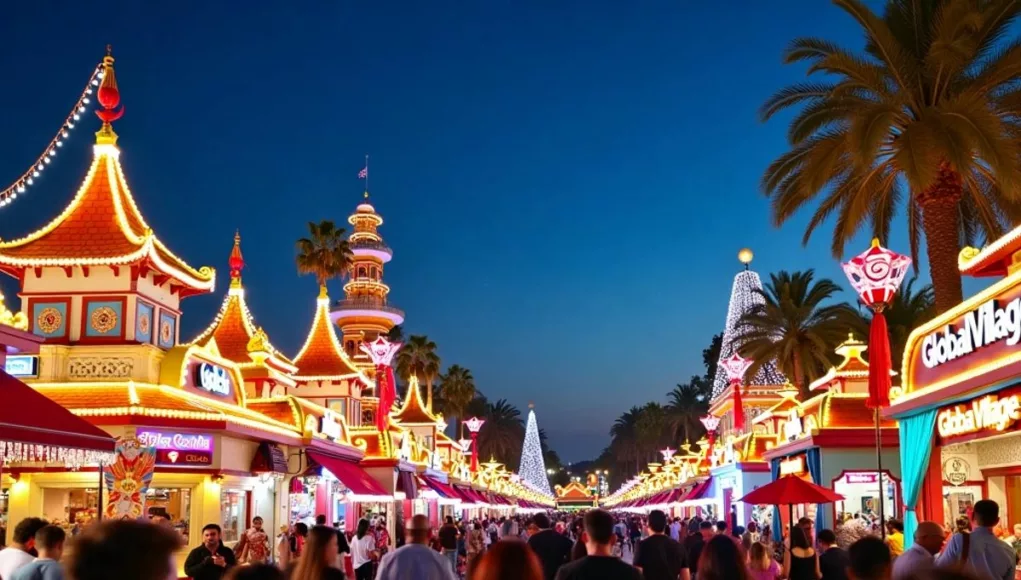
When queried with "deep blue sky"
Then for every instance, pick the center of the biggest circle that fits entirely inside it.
(565, 184)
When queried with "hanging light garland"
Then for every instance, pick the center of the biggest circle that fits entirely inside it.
(28, 178)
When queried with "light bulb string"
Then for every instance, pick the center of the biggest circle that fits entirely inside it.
(22, 183)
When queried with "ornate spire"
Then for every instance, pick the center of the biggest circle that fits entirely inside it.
(236, 261)
(109, 97)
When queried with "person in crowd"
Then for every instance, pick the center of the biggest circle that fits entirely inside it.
(476, 543)
(123, 549)
(660, 557)
(253, 547)
(895, 537)
(870, 559)
(507, 561)
(980, 551)
(211, 559)
(800, 560)
(675, 530)
(297, 539)
(552, 549)
(448, 542)
(363, 551)
(833, 560)
(599, 564)
(415, 559)
(761, 565)
(693, 544)
(49, 542)
(806, 525)
(750, 536)
(634, 534)
(722, 559)
(721, 527)
(1015, 540)
(342, 545)
(255, 572)
(919, 558)
(21, 550)
(382, 538)
(319, 557)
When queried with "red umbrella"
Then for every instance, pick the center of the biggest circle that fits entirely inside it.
(790, 491)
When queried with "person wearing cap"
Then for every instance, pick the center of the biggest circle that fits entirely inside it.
(415, 560)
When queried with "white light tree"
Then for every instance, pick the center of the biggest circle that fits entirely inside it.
(533, 467)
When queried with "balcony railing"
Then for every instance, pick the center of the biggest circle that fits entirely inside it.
(365, 304)
(371, 245)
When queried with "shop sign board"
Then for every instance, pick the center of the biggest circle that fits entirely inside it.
(189, 458)
(170, 441)
(23, 365)
(965, 343)
(793, 466)
(213, 379)
(990, 413)
(859, 477)
(956, 471)
(330, 426)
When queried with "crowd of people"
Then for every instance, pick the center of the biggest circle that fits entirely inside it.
(595, 545)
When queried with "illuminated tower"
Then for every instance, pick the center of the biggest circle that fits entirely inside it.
(364, 313)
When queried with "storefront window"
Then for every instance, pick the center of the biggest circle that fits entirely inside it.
(68, 506)
(173, 505)
(232, 514)
(4, 501)
(303, 504)
(861, 495)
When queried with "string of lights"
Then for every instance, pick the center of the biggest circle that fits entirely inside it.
(28, 178)
(533, 468)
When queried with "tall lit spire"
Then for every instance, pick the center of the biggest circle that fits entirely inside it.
(109, 97)
(236, 262)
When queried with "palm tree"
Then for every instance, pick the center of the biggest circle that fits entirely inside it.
(908, 311)
(325, 253)
(795, 327)
(624, 438)
(502, 434)
(931, 103)
(686, 405)
(395, 334)
(650, 431)
(457, 387)
(418, 357)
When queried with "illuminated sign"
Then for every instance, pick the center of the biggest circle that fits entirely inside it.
(956, 471)
(855, 477)
(175, 441)
(193, 458)
(214, 379)
(22, 366)
(990, 413)
(986, 325)
(792, 466)
(329, 426)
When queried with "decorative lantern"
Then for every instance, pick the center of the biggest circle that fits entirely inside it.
(710, 422)
(474, 425)
(466, 446)
(381, 351)
(736, 366)
(667, 454)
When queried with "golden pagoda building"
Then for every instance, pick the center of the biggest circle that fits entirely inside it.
(104, 294)
(830, 440)
(324, 373)
(266, 370)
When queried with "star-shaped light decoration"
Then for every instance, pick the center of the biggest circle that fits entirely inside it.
(735, 366)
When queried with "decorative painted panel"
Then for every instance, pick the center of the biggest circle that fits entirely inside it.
(167, 330)
(49, 319)
(144, 322)
(104, 319)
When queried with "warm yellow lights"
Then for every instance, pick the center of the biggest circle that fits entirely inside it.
(745, 256)
(322, 328)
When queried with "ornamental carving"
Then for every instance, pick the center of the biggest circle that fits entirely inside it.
(166, 332)
(103, 319)
(49, 320)
(100, 368)
(143, 323)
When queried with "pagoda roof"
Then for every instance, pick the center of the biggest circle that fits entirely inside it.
(102, 226)
(413, 411)
(573, 491)
(322, 357)
(996, 259)
(234, 330)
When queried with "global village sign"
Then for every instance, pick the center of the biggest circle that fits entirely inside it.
(988, 413)
(983, 326)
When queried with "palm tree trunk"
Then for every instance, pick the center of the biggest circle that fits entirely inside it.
(940, 221)
(799, 377)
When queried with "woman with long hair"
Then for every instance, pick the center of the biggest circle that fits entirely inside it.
(475, 545)
(722, 559)
(800, 560)
(363, 551)
(318, 556)
(507, 561)
(762, 566)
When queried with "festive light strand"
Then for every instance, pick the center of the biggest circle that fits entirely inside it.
(533, 468)
(28, 178)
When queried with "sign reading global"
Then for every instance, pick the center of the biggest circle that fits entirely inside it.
(214, 379)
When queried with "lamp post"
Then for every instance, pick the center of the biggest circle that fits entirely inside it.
(736, 366)
(474, 425)
(876, 274)
(710, 422)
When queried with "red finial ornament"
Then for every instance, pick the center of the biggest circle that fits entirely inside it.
(236, 261)
(108, 95)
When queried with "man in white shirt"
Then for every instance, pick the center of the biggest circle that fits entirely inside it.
(675, 530)
(21, 551)
(415, 560)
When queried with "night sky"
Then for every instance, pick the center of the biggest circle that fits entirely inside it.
(565, 184)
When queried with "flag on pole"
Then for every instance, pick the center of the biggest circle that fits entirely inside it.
(364, 173)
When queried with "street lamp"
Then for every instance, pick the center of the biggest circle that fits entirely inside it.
(381, 351)
(474, 425)
(710, 422)
(735, 366)
(876, 274)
